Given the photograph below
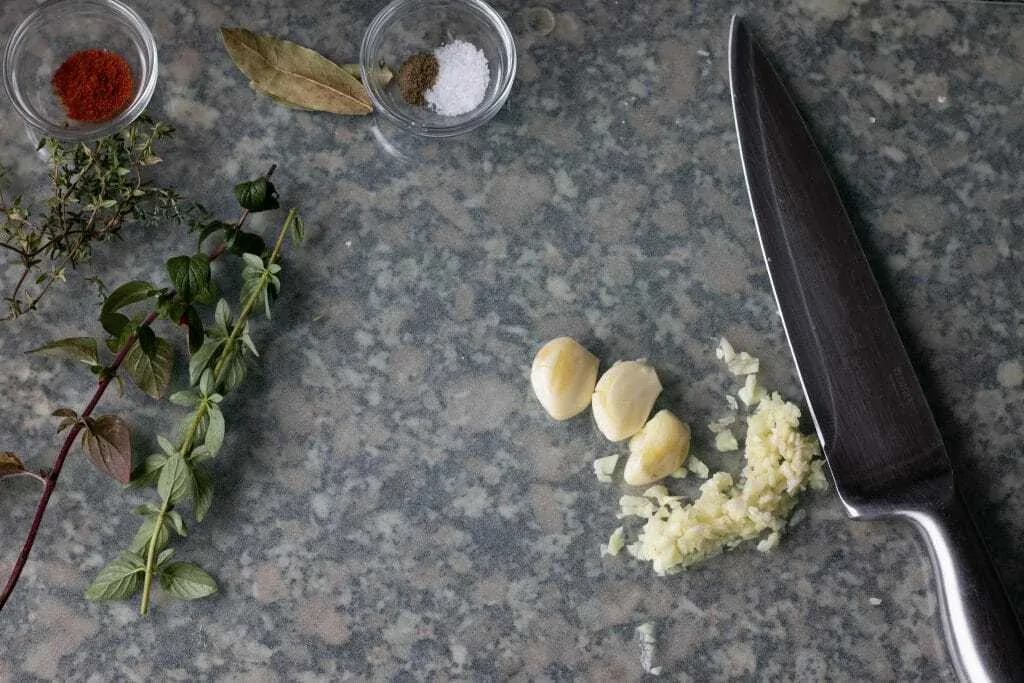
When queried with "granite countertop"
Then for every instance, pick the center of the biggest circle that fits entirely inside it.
(391, 502)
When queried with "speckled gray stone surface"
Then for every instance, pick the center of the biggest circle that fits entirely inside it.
(391, 502)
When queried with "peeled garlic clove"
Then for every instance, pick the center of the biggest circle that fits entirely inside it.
(563, 377)
(623, 398)
(657, 450)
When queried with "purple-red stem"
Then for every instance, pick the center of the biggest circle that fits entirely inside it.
(50, 481)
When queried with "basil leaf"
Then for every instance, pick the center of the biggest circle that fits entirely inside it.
(151, 371)
(82, 349)
(247, 243)
(127, 294)
(191, 278)
(257, 195)
(107, 440)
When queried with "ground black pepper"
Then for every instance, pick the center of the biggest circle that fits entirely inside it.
(417, 75)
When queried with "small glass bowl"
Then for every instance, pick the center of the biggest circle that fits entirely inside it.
(55, 31)
(407, 27)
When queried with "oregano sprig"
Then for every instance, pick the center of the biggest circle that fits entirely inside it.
(221, 354)
(179, 470)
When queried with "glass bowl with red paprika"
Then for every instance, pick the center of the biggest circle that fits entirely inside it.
(80, 69)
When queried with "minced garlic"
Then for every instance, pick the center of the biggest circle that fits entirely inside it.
(635, 506)
(697, 466)
(725, 441)
(752, 392)
(739, 363)
(780, 463)
(605, 467)
(615, 543)
(679, 473)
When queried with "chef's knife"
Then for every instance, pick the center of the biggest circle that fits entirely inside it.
(879, 437)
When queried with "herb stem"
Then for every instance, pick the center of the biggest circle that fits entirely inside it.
(165, 506)
(203, 409)
(50, 481)
(147, 578)
(239, 327)
(26, 473)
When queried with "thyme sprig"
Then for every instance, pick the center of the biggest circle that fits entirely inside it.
(97, 189)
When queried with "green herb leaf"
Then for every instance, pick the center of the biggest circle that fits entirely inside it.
(248, 342)
(202, 359)
(222, 318)
(115, 324)
(214, 429)
(107, 440)
(194, 323)
(297, 227)
(189, 398)
(96, 190)
(148, 473)
(191, 278)
(119, 580)
(151, 371)
(176, 481)
(234, 369)
(247, 243)
(295, 74)
(177, 523)
(164, 557)
(187, 581)
(140, 543)
(203, 499)
(127, 294)
(165, 445)
(257, 195)
(207, 228)
(83, 349)
(252, 278)
(199, 454)
(146, 338)
(206, 386)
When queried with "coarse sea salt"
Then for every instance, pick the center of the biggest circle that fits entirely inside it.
(462, 79)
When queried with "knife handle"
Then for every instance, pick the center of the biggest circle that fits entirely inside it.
(984, 636)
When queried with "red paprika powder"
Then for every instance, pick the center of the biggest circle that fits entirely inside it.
(94, 85)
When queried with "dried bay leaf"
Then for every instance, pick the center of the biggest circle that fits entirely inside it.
(295, 75)
(283, 102)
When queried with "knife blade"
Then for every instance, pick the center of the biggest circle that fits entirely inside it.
(878, 434)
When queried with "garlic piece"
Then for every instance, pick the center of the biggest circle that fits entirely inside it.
(623, 398)
(605, 467)
(657, 450)
(563, 376)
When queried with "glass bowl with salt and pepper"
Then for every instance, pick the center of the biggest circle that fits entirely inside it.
(78, 70)
(438, 68)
